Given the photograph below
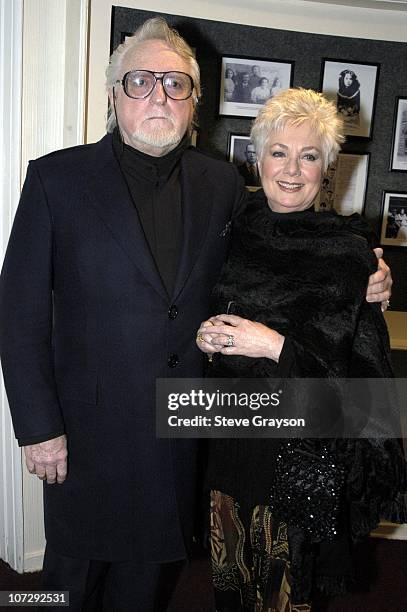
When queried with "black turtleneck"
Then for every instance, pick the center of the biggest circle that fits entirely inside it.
(155, 188)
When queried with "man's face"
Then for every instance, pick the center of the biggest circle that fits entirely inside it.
(245, 79)
(256, 70)
(251, 156)
(156, 124)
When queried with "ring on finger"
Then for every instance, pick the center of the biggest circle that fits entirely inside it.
(230, 340)
(200, 337)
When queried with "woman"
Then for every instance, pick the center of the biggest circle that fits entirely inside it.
(230, 82)
(296, 313)
(348, 96)
(261, 93)
(401, 219)
(275, 85)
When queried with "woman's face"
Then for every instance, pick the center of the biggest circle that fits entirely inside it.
(347, 79)
(229, 73)
(291, 168)
(264, 82)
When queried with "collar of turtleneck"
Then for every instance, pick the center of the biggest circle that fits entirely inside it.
(156, 170)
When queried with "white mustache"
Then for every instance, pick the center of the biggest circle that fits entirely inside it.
(168, 117)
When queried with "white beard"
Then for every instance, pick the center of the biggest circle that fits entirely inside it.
(158, 137)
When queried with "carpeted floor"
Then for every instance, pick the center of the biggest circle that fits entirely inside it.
(381, 587)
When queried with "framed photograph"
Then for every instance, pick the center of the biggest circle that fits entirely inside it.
(124, 35)
(394, 218)
(194, 137)
(399, 146)
(247, 83)
(353, 88)
(344, 184)
(242, 153)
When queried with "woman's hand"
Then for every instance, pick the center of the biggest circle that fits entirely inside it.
(233, 335)
(379, 287)
(205, 338)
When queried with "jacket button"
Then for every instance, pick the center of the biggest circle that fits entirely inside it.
(173, 312)
(173, 361)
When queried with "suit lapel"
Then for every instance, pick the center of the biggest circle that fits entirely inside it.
(197, 201)
(110, 197)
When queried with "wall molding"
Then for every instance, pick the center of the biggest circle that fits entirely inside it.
(55, 45)
(11, 47)
(43, 45)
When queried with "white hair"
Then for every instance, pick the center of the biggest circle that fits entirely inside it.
(152, 29)
(293, 107)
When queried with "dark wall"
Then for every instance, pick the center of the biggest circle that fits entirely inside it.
(399, 361)
(212, 39)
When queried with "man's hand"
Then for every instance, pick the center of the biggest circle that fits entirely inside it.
(48, 459)
(379, 287)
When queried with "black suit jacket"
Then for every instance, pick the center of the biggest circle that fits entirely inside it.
(249, 179)
(86, 329)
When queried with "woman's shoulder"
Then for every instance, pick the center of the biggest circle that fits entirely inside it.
(348, 236)
(256, 210)
(354, 227)
(316, 235)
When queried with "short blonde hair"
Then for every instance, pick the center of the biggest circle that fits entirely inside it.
(294, 106)
(152, 29)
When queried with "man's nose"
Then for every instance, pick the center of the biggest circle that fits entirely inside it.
(158, 95)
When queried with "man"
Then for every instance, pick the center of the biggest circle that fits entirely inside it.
(255, 77)
(112, 257)
(113, 253)
(248, 169)
(243, 89)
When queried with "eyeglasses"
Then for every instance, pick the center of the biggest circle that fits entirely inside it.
(139, 84)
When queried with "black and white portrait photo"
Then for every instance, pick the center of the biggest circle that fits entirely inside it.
(246, 84)
(394, 219)
(348, 97)
(399, 149)
(243, 154)
(353, 88)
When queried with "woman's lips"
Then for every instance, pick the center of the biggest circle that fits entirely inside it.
(290, 187)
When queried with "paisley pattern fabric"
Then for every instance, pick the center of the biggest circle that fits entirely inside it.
(250, 559)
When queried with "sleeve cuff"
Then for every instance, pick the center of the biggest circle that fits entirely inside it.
(40, 438)
(286, 359)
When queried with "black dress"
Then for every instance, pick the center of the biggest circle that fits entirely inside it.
(305, 275)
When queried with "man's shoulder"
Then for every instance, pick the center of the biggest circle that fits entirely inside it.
(72, 156)
(208, 160)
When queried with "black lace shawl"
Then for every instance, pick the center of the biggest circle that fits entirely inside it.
(305, 274)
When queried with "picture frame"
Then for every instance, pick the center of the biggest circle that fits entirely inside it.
(246, 83)
(124, 35)
(194, 137)
(353, 88)
(344, 184)
(393, 231)
(241, 152)
(398, 160)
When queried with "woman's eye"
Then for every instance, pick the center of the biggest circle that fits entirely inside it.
(277, 154)
(310, 157)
